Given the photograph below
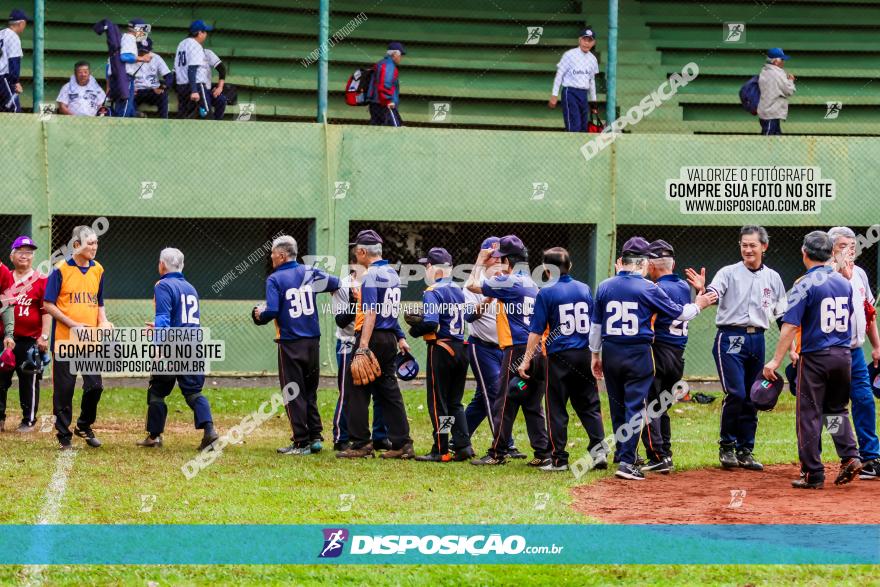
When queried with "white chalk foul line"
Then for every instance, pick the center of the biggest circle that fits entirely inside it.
(50, 513)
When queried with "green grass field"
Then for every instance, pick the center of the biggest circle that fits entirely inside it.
(251, 484)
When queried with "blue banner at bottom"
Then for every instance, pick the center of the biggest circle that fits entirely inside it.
(439, 544)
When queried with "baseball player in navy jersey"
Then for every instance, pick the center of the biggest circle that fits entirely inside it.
(863, 323)
(823, 313)
(515, 293)
(670, 339)
(484, 354)
(10, 61)
(177, 306)
(290, 302)
(378, 337)
(138, 30)
(562, 314)
(192, 77)
(576, 75)
(345, 300)
(441, 324)
(152, 80)
(621, 337)
(750, 295)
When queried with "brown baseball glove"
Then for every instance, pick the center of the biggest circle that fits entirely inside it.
(364, 367)
(413, 316)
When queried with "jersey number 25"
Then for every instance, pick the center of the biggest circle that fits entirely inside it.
(624, 314)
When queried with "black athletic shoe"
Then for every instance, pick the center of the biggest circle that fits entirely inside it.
(89, 435)
(601, 462)
(745, 460)
(539, 462)
(815, 482)
(515, 453)
(848, 471)
(383, 444)
(433, 457)
(150, 442)
(489, 461)
(870, 470)
(208, 438)
(629, 472)
(662, 467)
(727, 456)
(65, 444)
(342, 445)
(465, 454)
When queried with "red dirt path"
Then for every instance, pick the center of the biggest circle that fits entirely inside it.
(704, 497)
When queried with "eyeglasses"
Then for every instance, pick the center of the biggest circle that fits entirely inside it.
(24, 253)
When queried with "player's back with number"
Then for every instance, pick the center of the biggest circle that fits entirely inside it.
(667, 328)
(564, 308)
(290, 299)
(177, 302)
(625, 305)
(380, 293)
(516, 293)
(824, 312)
(444, 305)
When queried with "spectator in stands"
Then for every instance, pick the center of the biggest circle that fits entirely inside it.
(383, 92)
(190, 73)
(10, 61)
(152, 80)
(215, 96)
(576, 74)
(81, 96)
(776, 87)
(138, 30)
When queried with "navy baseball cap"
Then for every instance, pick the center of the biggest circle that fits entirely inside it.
(146, 45)
(135, 22)
(200, 25)
(406, 366)
(437, 256)
(490, 242)
(366, 237)
(636, 247)
(24, 241)
(660, 248)
(17, 15)
(509, 245)
(874, 376)
(777, 53)
(765, 393)
(791, 375)
(396, 46)
(588, 32)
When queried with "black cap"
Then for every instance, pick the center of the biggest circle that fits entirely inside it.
(636, 247)
(17, 15)
(660, 248)
(437, 256)
(145, 46)
(366, 237)
(588, 32)
(510, 245)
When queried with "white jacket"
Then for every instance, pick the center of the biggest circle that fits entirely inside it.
(775, 90)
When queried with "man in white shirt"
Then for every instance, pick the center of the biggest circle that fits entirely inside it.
(576, 74)
(10, 61)
(776, 86)
(81, 96)
(138, 30)
(215, 94)
(863, 409)
(152, 80)
(193, 78)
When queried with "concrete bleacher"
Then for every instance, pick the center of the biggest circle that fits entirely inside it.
(472, 53)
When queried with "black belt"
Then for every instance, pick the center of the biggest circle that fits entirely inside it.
(742, 329)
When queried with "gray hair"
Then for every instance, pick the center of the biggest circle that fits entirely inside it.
(755, 229)
(372, 250)
(172, 258)
(286, 244)
(817, 246)
(82, 233)
(393, 52)
(639, 262)
(840, 232)
(664, 263)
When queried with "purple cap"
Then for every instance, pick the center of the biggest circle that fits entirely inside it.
(636, 247)
(490, 242)
(660, 248)
(765, 393)
(437, 256)
(366, 237)
(24, 241)
(510, 245)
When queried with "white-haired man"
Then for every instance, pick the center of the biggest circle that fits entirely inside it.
(75, 298)
(863, 323)
(383, 92)
(177, 306)
(290, 302)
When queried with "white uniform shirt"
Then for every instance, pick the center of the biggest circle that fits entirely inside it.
(483, 327)
(861, 291)
(150, 74)
(128, 44)
(748, 298)
(342, 304)
(577, 69)
(82, 100)
(10, 46)
(211, 62)
(190, 52)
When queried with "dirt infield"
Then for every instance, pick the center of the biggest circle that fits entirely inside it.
(714, 496)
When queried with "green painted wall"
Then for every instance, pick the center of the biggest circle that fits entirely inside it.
(248, 173)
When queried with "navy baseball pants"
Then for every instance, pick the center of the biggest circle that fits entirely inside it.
(506, 408)
(298, 363)
(771, 127)
(344, 352)
(161, 386)
(29, 384)
(446, 375)
(864, 412)
(384, 116)
(9, 100)
(126, 108)
(160, 101)
(669, 367)
(629, 375)
(575, 109)
(63, 385)
(739, 358)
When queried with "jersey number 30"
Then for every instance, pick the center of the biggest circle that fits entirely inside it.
(834, 315)
(624, 314)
